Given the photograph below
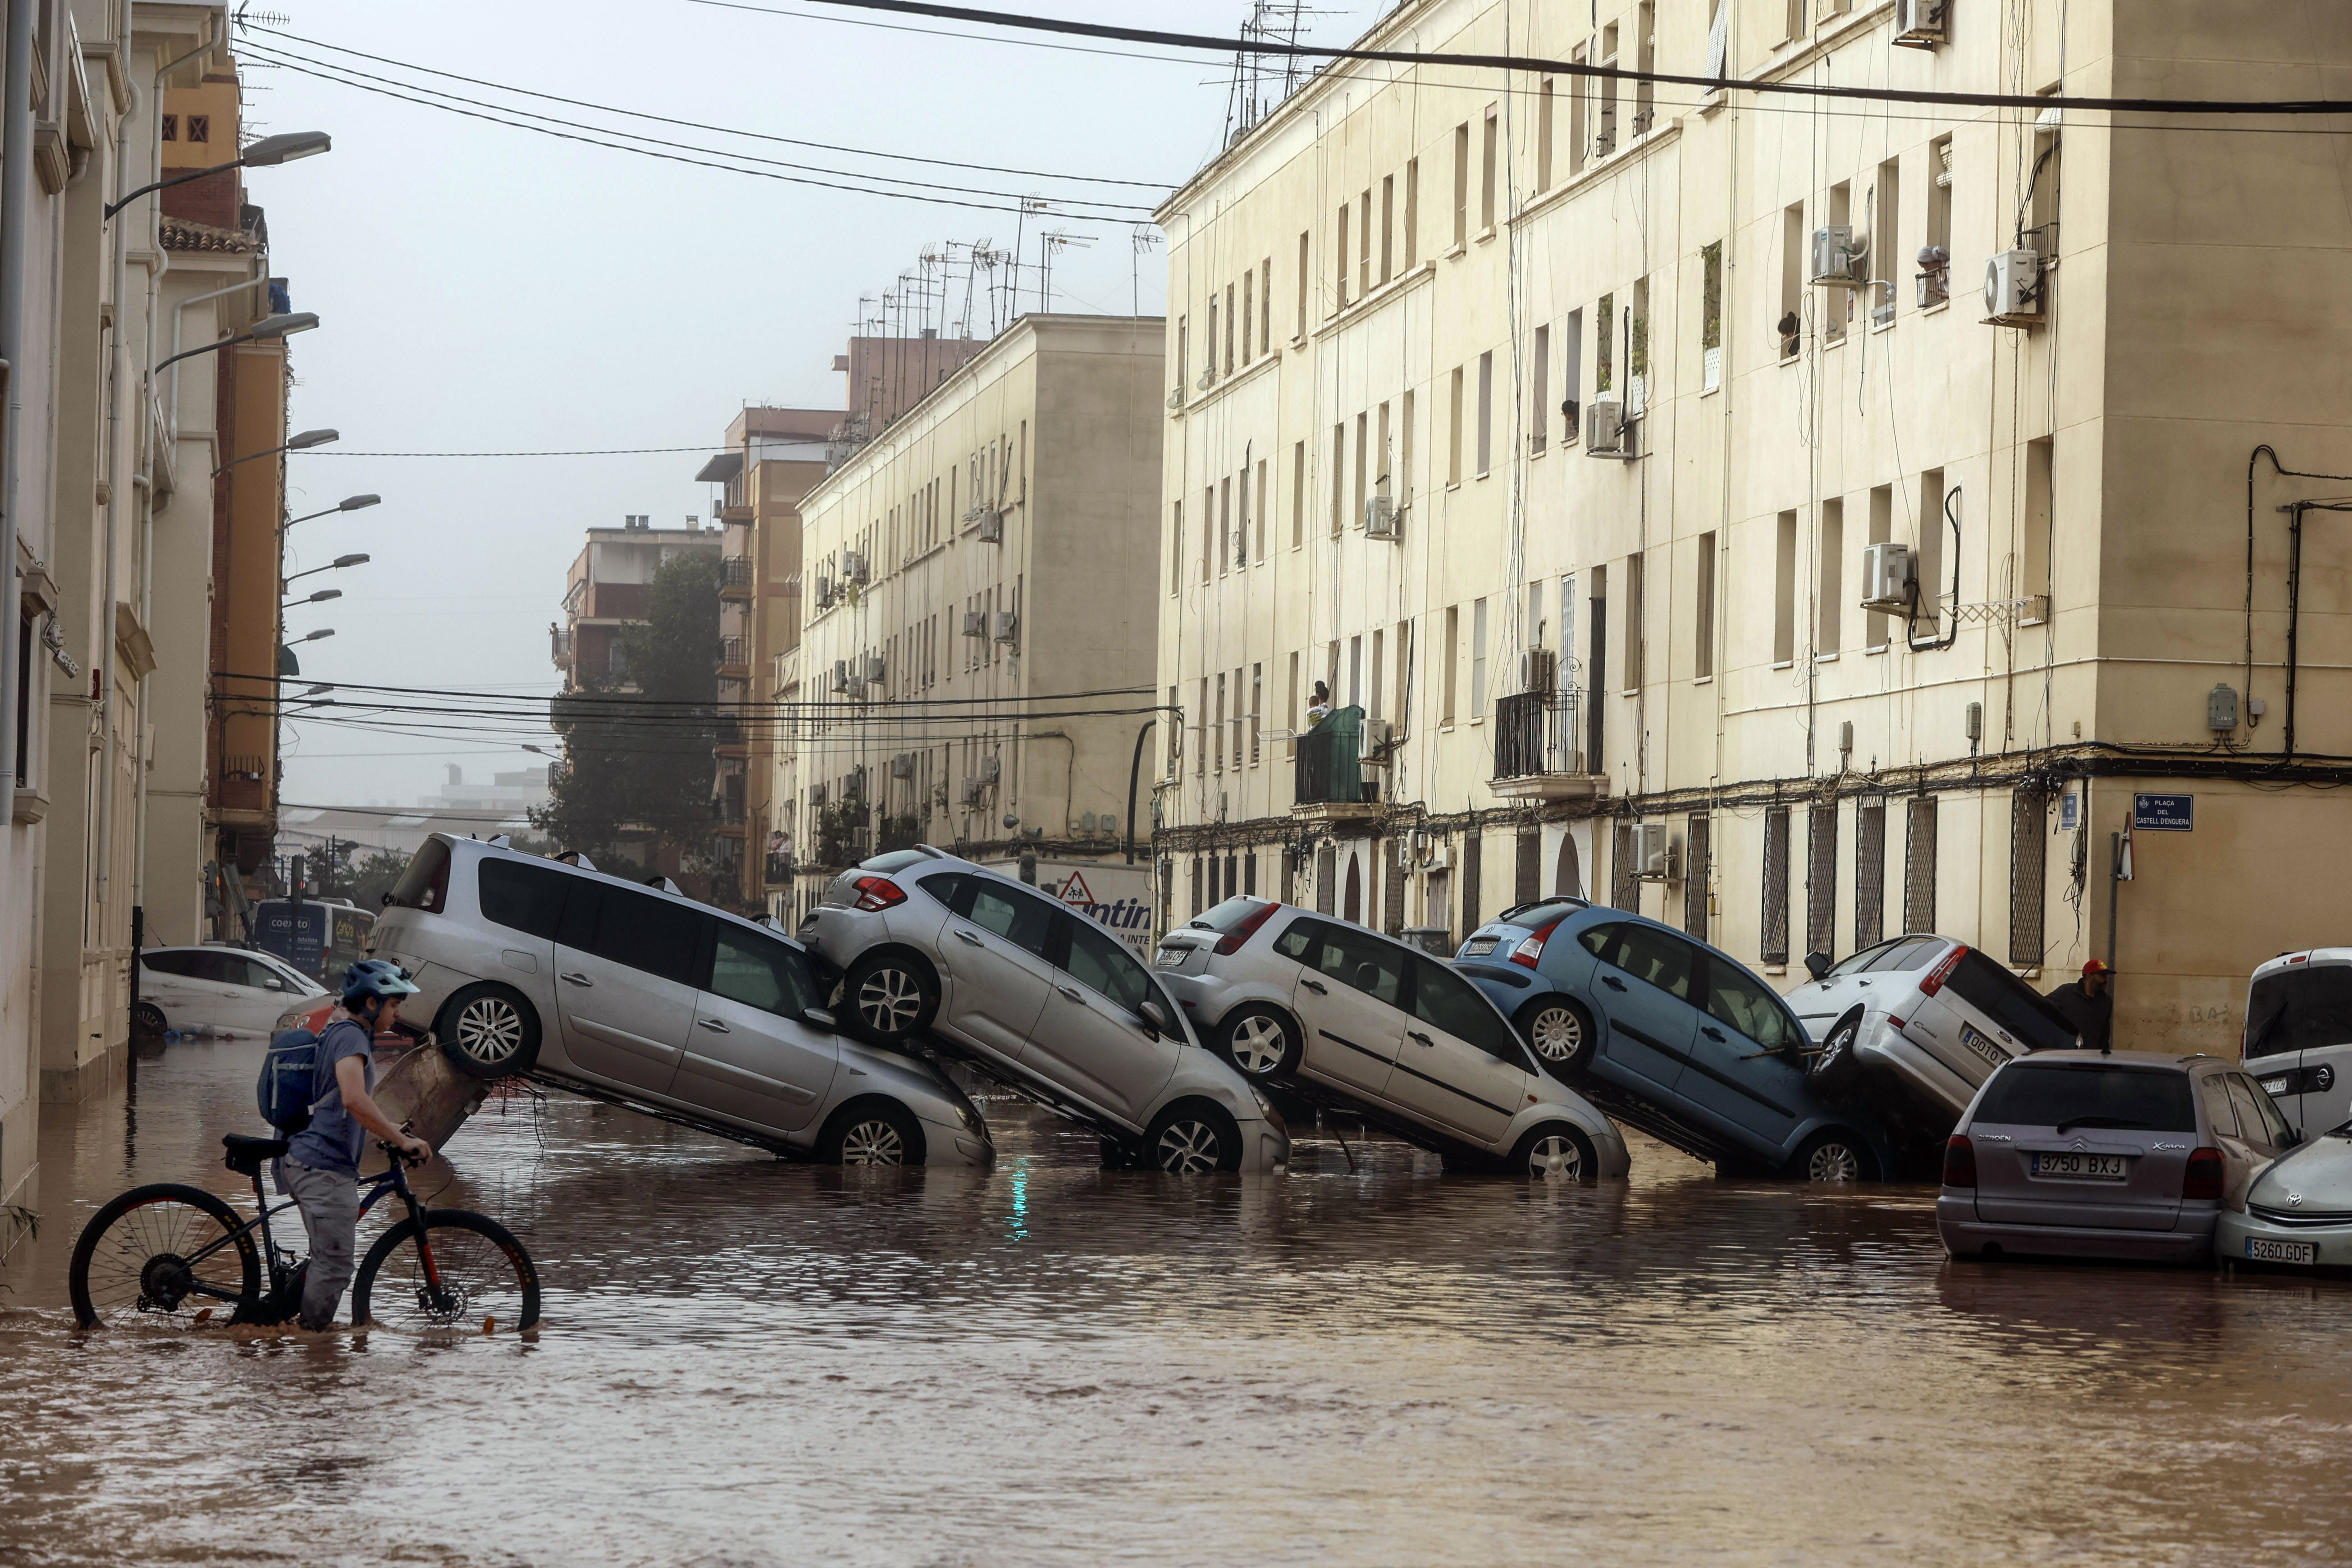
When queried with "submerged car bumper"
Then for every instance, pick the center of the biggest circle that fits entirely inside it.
(1966, 1235)
(949, 1145)
(1881, 1046)
(2330, 1246)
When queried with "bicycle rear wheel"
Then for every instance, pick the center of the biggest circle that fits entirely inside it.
(481, 1279)
(164, 1252)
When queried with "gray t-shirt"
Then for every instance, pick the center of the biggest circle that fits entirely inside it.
(333, 1141)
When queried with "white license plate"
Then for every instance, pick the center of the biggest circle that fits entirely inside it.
(1480, 948)
(1976, 1041)
(1170, 957)
(2082, 1167)
(2262, 1250)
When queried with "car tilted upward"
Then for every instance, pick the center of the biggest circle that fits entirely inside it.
(644, 998)
(1675, 1038)
(2086, 1154)
(1050, 1003)
(1349, 1016)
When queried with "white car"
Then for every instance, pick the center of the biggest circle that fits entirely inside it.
(1342, 1013)
(216, 987)
(1042, 998)
(2298, 1036)
(1936, 1014)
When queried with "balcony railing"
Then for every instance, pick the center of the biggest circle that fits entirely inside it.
(1537, 735)
(735, 571)
(1329, 771)
(734, 652)
(779, 870)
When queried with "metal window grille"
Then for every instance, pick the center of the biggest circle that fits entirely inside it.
(1233, 875)
(2028, 864)
(1774, 948)
(1869, 876)
(1697, 861)
(1327, 880)
(1471, 858)
(1919, 866)
(1290, 876)
(1197, 905)
(1249, 873)
(1821, 879)
(1392, 901)
(1529, 886)
(1624, 891)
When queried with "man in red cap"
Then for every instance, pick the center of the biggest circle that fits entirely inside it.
(2087, 1004)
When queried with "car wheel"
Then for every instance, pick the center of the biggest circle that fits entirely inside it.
(148, 1024)
(488, 1031)
(1192, 1139)
(1835, 1070)
(1261, 1042)
(876, 1132)
(891, 997)
(1836, 1155)
(1560, 1033)
(1556, 1151)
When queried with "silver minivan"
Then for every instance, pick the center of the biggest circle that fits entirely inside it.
(644, 998)
(2298, 1036)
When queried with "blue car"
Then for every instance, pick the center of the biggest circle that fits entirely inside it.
(1674, 1037)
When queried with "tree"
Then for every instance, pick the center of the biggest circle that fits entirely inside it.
(638, 763)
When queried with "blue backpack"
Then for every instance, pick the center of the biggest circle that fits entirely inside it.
(287, 1087)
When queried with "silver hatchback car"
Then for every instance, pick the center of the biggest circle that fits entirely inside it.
(1344, 1013)
(2086, 1154)
(1042, 998)
(648, 999)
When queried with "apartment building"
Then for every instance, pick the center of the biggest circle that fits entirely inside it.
(1569, 428)
(975, 662)
(608, 586)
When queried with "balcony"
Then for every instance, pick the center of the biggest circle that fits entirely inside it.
(560, 648)
(779, 870)
(1539, 747)
(735, 657)
(735, 579)
(1328, 783)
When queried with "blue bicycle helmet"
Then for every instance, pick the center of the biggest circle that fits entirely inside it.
(375, 977)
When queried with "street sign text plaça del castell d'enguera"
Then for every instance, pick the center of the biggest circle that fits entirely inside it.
(2164, 813)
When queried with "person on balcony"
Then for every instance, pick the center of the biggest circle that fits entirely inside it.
(1319, 707)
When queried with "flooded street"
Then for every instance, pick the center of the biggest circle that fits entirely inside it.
(745, 1361)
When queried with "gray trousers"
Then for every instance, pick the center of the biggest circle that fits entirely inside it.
(329, 1205)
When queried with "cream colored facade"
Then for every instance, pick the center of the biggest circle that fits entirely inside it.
(1391, 287)
(1016, 499)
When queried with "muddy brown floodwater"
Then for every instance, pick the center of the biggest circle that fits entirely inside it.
(746, 1362)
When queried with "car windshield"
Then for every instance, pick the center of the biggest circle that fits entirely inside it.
(2299, 1009)
(2065, 1096)
(1224, 917)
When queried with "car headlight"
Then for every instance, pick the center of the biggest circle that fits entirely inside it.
(970, 1116)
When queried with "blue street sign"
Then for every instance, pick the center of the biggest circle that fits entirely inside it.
(2164, 813)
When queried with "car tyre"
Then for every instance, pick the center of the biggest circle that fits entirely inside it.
(871, 1132)
(1261, 1042)
(1193, 1138)
(1559, 1031)
(488, 1031)
(1834, 1156)
(147, 1024)
(1835, 1070)
(891, 997)
(1556, 1151)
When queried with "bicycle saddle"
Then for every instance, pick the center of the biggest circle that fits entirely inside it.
(245, 1154)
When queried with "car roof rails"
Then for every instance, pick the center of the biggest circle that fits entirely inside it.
(665, 884)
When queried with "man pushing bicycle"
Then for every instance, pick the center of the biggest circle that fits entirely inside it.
(322, 1165)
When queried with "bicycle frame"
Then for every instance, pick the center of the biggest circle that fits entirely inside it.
(391, 1181)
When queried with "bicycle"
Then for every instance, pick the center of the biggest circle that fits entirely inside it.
(156, 1250)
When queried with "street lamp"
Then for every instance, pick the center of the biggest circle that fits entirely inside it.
(348, 503)
(320, 597)
(265, 153)
(302, 442)
(285, 324)
(312, 636)
(338, 563)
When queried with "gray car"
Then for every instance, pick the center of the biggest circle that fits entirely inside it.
(1042, 999)
(645, 998)
(2134, 1154)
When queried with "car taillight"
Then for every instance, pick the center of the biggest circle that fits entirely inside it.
(1942, 972)
(1530, 948)
(877, 893)
(2202, 1177)
(1230, 942)
(1959, 1161)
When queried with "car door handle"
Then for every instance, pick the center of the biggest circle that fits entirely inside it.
(1612, 981)
(1071, 992)
(965, 936)
(714, 1026)
(1714, 1035)
(579, 980)
(1417, 1035)
(1315, 986)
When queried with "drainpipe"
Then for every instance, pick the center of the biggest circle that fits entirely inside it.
(16, 191)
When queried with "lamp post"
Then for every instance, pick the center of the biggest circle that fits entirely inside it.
(302, 442)
(348, 503)
(285, 324)
(320, 597)
(265, 153)
(337, 564)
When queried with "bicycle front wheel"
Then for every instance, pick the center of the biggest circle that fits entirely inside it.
(165, 1253)
(463, 1271)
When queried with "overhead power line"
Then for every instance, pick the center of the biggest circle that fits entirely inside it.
(1577, 68)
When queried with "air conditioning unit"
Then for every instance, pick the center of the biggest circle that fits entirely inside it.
(874, 668)
(902, 766)
(1240, 545)
(1653, 852)
(854, 566)
(2013, 289)
(1381, 519)
(1836, 263)
(992, 526)
(1605, 434)
(988, 768)
(973, 792)
(1538, 671)
(1006, 628)
(1922, 23)
(1886, 573)
(841, 675)
(1176, 398)
(975, 622)
(1377, 736)
(853, 788)
(819, 794)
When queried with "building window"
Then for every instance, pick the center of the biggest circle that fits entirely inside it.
(1364, 244)
(1209, 370)
(170, 131)
(1637, 664)
(1577, 114)
(2029, 811)
(1339, 272)
(1183, 382)
(1604, 345)
(1404, 457)
(2039, 527)
(1882, 529)
(1225, 524)
(1869, 874)
(1543, 134)
(1485, 412)
(1460, 185)
(1256, 712)
(1919, 866)
(1473, 859)
(1885, 262)
(1176, 545)
(1388, 227)
(1478, 659)
(1784, 589)
(1774, 946)
(1539, 384)
(200, 127)
(1486, 171)
(1645, 58)
(1832, 613)
(1411, 213)
(1837, 307)
(1624, 884)
(1210, 535)
(1928, 561)
(1338, 476)
(1453, 433)
(1232, 326)
(1572, 379)
(1789, 328)
(1696, 862)
(1249, 313)
(1291, 748)
(1605, 142)
(1306, 272)
(1264, 480)
(1265, 306)
(1710, 316)
(1297, 494)
(1702, 610)
(1935, 255)
(1453, 651)
(1821, 879)
(1363, 455)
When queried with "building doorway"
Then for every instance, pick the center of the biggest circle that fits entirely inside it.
(1567, 879)
(1353, 908)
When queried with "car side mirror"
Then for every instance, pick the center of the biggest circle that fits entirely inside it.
(819, 1018)
(1817, 964)
(1156, 1016)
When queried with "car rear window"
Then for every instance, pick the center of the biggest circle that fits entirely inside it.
(1899, 953)
(2010, 1002)
(2061, 1095)
(2299, 1009)
(1224, 917)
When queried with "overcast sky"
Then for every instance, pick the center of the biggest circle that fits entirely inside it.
(482, 287)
